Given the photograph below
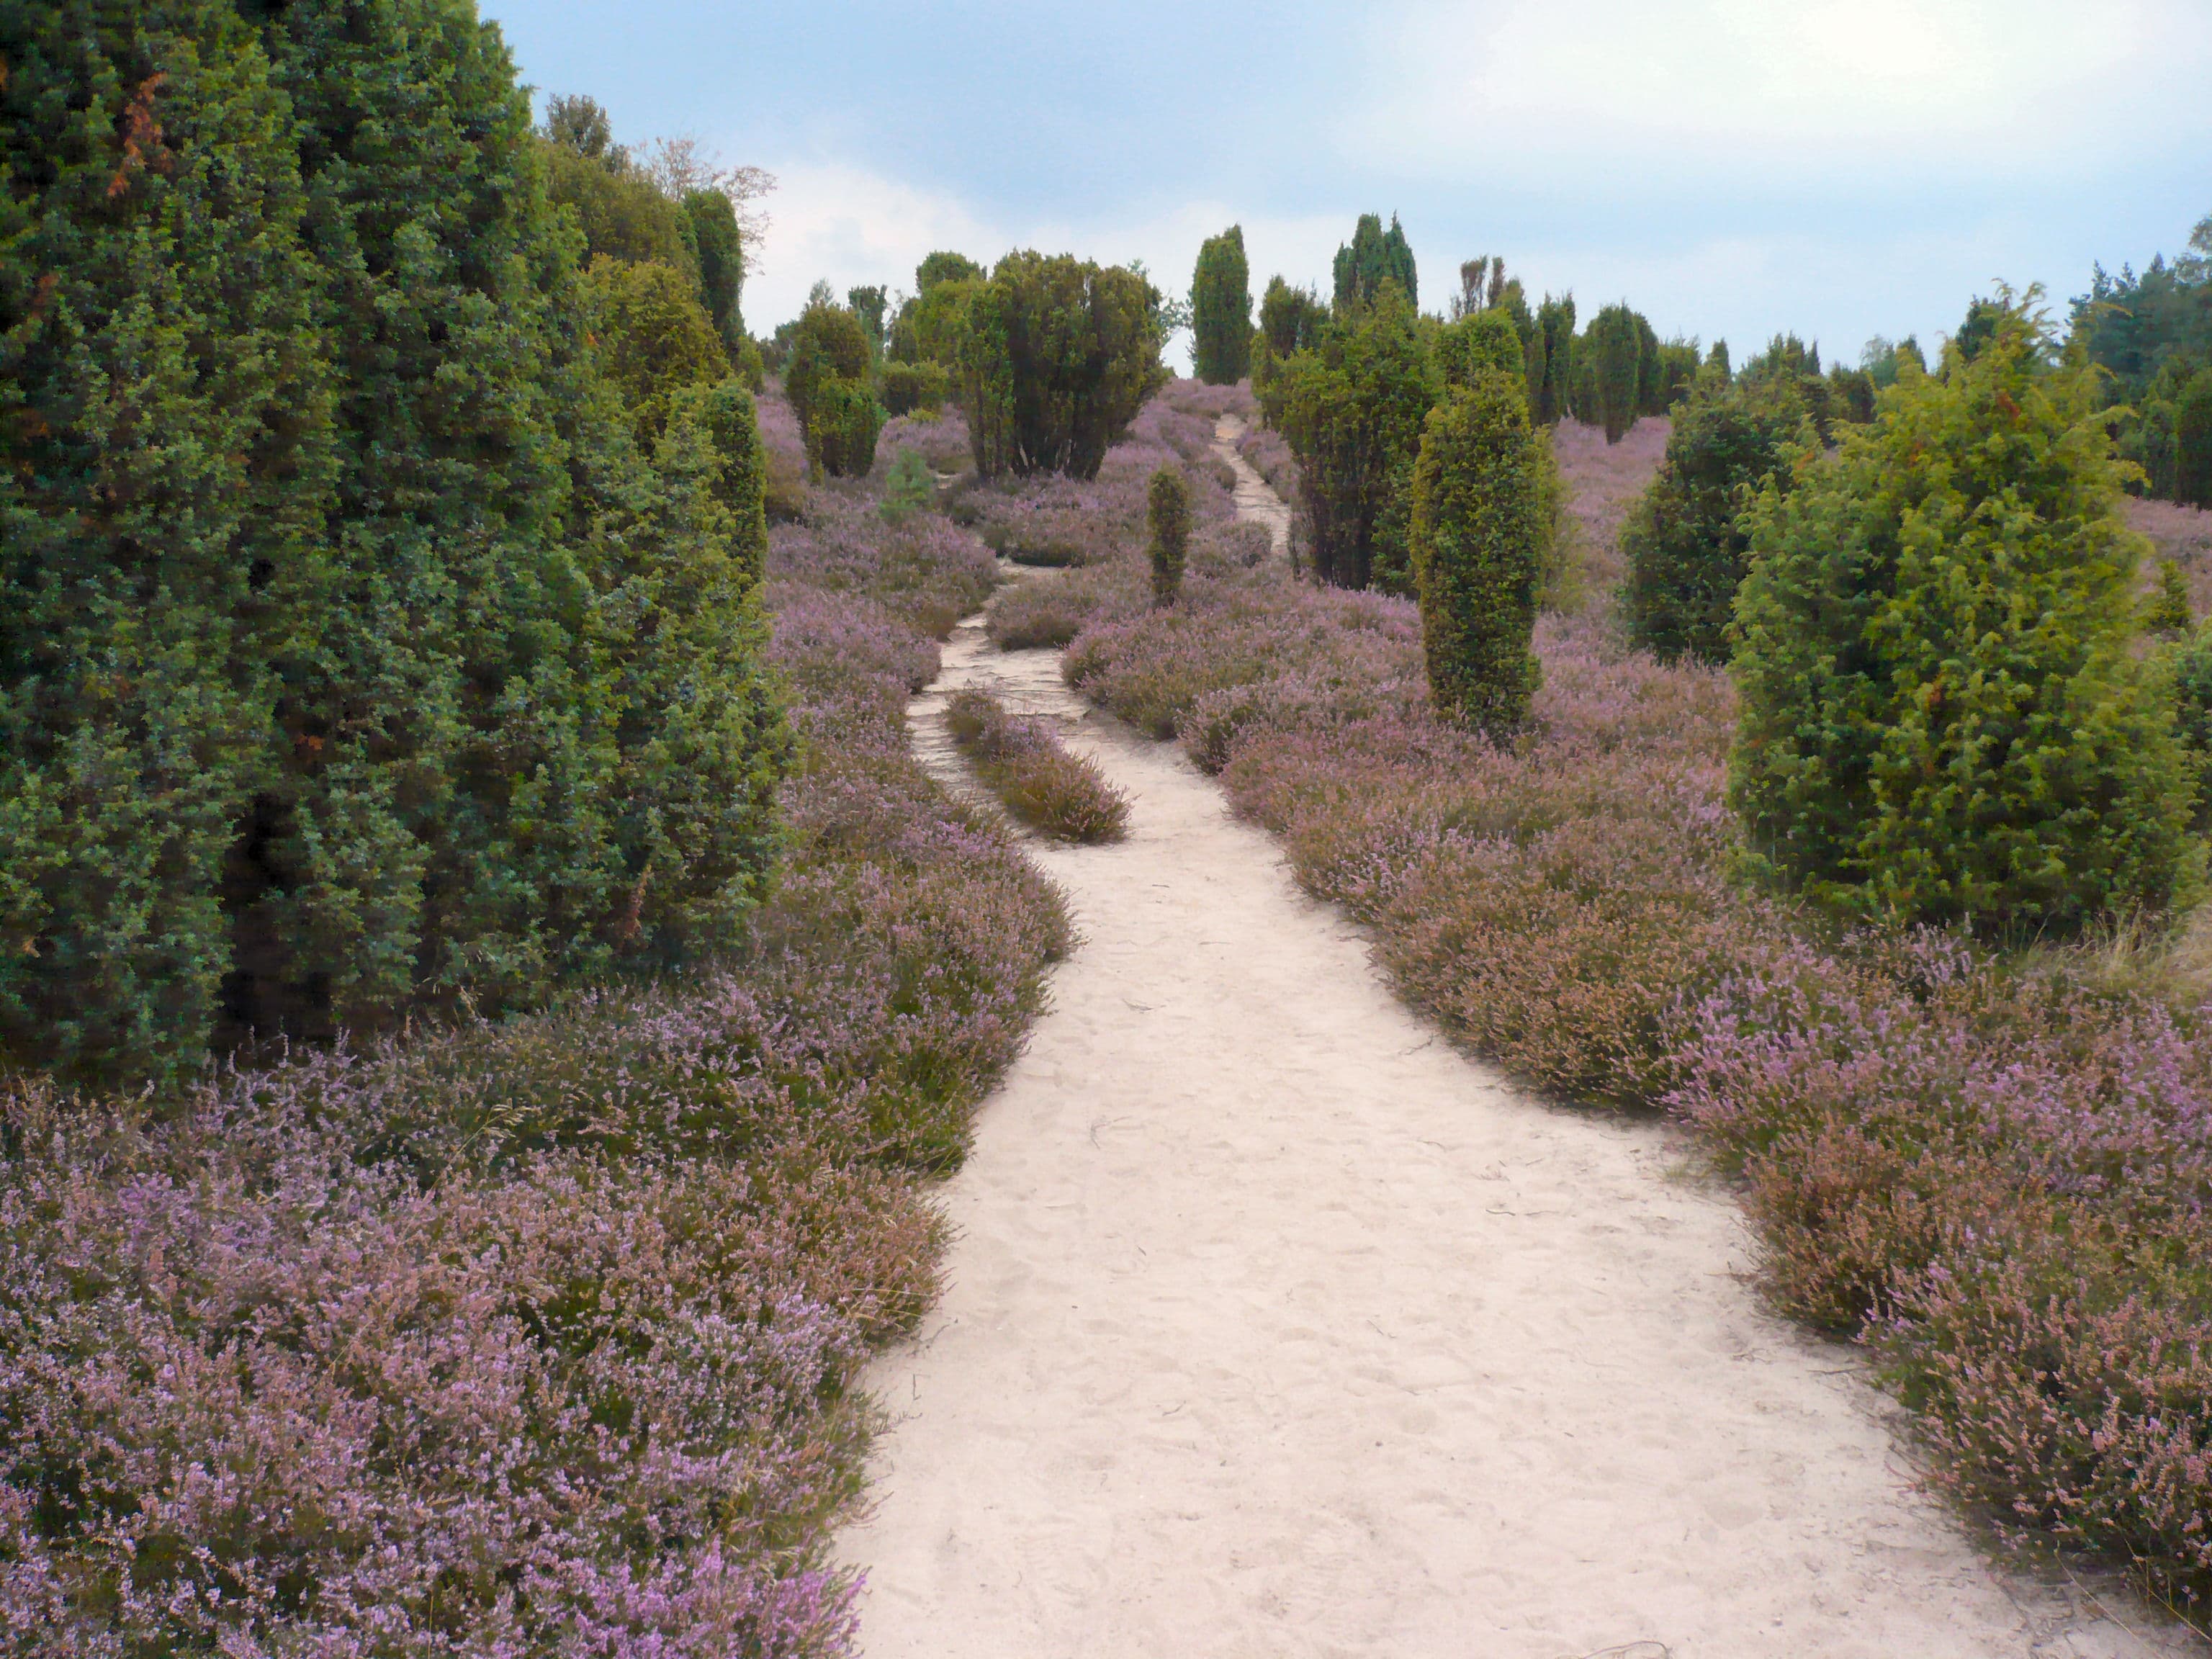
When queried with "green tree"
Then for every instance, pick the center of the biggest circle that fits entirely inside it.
(1481, 340)
(2168, 610)
(1941, 718)
(1291, 319)
(1350, 410)
(868, 304)
(826, 380)
(1551, 356)
(1477, 551)
(722, 250)
(654, 339)
(165, 464)
(2192, 441)
(1609, 358)
(1373, 257)
(1057, 356)
(1685, 542)
(1221, 310)
(1167, 511)
(943, 267)
(621, 212)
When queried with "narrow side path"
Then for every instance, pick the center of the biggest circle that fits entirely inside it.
(1255, 499)
(1278, 1328)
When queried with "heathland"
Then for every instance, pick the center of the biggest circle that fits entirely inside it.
(489, 994)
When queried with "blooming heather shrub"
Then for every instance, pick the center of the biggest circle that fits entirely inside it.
(539, 1337)
(1065, 795)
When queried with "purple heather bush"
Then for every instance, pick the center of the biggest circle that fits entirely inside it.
(1994, 1168)
(538, 1337)
(1022, 759)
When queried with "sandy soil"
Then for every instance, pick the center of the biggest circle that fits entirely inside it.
(1255, 500)
(1277, 1327)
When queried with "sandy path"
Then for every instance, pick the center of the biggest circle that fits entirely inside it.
(1277, 1327)
(1255, 499)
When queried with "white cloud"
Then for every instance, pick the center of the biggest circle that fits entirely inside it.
(1774, 85)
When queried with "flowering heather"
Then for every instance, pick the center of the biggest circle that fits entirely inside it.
(1996, 1170)
(539, 1337)
(1023, 762)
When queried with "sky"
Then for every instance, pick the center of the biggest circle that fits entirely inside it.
(1733, 168)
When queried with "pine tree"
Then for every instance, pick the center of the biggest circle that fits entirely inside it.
(1477, 552)
(2167, 611)
(1167, 503)
(1941, 718)
(1221, 310)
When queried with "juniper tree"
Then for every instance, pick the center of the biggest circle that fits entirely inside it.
(1942, 717)
(1221, 310)
(1373, 257)
(165, 463)
(1477, 551)
(1551, 360)
(1609, 364)
(1056, 355)
(1683, 541)
(1350, 410)
(1167, 509)
(827, 378)
(722, 255)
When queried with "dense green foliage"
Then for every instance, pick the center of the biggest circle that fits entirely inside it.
(1940, 715)
(1608, 367)
(829, 379)
(1373, 257)
(1291, 319)
(946, 267)
(1551, 360)
(654, 339)
(869, 304)
(911, 386)
(1057, 356)
(2167, 610)
(353, 658)
(1350, 410)
(621, 213)
(721, 253)
(1167, 516)
(1478, 341)
(1478, 551)
(1221, 310)
(2153, 334)
(1685, 542)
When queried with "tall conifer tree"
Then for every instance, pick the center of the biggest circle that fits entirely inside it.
(1221, 310)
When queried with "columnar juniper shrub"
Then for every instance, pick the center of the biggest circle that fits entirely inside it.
(829, 382)
(1024, 764)
(2166, 610)
(1941, 718)
(1168, 514)
(1478, 552)
(1685, 544)
(1352, 411)
(1551, 358)
(1221, 310)
(389, 763)
(1607, 367)
(1057, 354)
(1373, 257)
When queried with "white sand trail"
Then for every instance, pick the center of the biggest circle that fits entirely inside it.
(1277, 1327)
